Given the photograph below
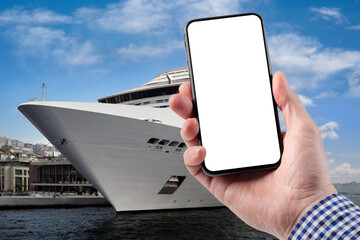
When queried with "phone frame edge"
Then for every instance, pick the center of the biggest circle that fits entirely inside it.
(193, 92)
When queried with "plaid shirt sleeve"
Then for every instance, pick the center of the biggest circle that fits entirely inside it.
(334, 217)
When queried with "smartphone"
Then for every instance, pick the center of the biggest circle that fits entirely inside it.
(231, 79)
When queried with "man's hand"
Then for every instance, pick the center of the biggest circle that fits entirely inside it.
(272, 201)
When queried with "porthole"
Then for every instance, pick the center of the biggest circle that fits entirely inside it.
(182, 145)
(173, 144)
(164, 142)
(153, 140)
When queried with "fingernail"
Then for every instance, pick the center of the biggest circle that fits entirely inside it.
(181, 87)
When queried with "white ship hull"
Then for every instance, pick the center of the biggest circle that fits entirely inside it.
(108, 144)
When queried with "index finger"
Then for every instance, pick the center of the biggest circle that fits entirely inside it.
(181, 103)
(186, 90)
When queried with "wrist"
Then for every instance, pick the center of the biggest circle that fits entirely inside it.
(306, 205)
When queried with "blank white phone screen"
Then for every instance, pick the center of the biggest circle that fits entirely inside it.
(233, 92)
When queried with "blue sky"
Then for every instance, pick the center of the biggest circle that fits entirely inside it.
(84, 50)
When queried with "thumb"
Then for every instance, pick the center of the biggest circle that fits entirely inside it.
(294, 112)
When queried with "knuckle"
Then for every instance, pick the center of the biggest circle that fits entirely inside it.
(311, 129)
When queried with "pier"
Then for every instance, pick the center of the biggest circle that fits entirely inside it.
(62, 201)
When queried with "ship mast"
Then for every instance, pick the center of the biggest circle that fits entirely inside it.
(43, 92)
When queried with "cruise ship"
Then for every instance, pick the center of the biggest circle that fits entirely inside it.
(128, 145)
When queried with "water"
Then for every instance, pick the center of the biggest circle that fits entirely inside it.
(350, 190)
(103, 223)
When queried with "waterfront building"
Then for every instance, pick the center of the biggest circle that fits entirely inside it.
(15, 163)
(9, 149)
(2, 141)
(5, 156)
(14, 176)
(18, 144)
(6, 153)
(14, 153)
(9, 142)
(39, 148)
(58, 175)
(28, 147)
(45, 150)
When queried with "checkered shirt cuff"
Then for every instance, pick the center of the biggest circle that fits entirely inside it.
(334, 217)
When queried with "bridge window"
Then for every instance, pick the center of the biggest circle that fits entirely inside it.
(142, 94)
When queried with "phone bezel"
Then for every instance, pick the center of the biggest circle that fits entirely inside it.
(188, 56)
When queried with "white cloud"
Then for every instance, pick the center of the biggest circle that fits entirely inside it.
(354, 84)
(77, 54)
(326, 94)
(145, 16)
(328, 130)
(207, 8)
(37, 16)
(355, 27)
(304, 59)
(138, 53)
(355, 91)
(331, 161)
(307, 63)
(132, 16)
(329, 14)
(32, 36)
(53, 44)
(306, 101)
(345, 173)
